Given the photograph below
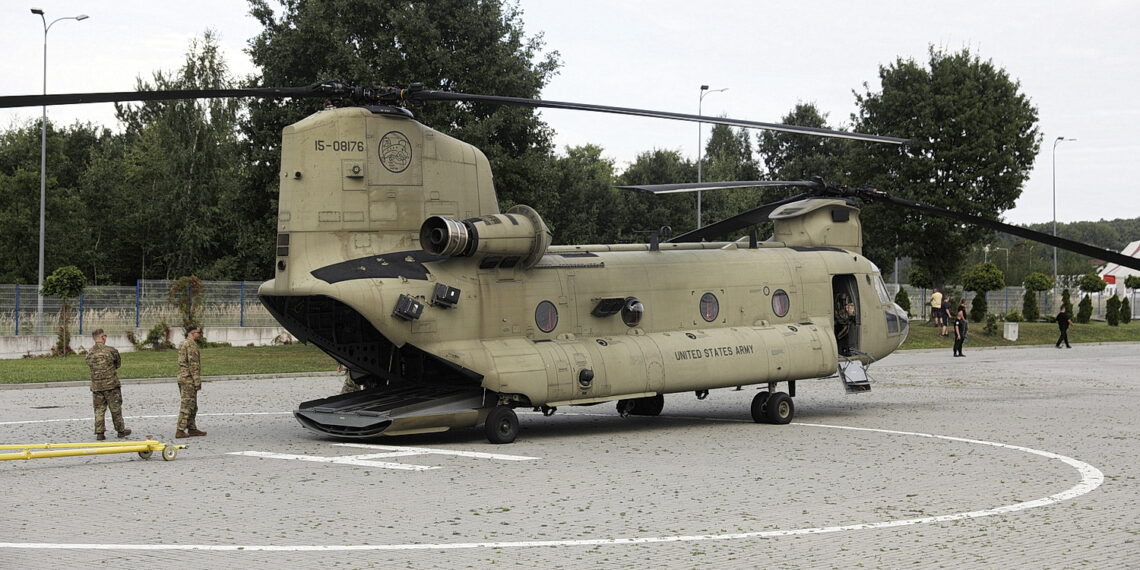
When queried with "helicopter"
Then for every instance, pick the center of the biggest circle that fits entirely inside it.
(393, 257)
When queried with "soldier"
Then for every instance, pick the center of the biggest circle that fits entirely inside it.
(189, 383)
(106, 391)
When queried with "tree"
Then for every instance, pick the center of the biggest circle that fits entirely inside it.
(66, 283)
(1125, 311)
(188, 295)
(790, 156)
(1066, 301)
(650, 212)
(475, 46)
(974, 142)
(1033, 283)
(1089, 283)
(903, 300)
(587, 209)
(1112, 311)
(728, 156)
(981, 279)
(1084, 309)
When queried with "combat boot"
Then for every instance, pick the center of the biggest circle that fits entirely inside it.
(101, 437)
(124, 433)
(180, 434)
(195, 432)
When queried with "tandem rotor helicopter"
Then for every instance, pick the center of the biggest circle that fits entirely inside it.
(394, 258)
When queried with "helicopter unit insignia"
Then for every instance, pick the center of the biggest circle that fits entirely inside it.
(395, 152)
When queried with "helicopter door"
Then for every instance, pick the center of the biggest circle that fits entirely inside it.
(845, 291)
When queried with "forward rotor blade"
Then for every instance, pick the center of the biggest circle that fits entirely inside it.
(428, 95)
(127, 96)
(739, 221)
(1033, 235)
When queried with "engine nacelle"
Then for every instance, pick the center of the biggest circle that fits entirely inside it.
(518, 237)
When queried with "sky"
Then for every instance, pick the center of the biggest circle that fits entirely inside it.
(1077, 62)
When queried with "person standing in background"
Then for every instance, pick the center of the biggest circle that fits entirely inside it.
(189, 383)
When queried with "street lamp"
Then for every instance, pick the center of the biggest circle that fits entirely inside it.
(700, 143)
(1056, 142)
(43, 167)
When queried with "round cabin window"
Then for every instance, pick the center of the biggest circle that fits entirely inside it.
(781, 303)
(710, 307)
(546, 316)
(632, 312)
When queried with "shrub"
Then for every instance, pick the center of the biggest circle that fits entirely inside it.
(903, 300)
(991, 327)
(1029, 306)
(1013, 317)
(1125, 311)
(1084, 310)
(66, 283)
(1112, 311)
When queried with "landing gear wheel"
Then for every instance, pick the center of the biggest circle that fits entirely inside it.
(169, 453)
(650, 406)
(626, 407)
(146, 454)
(779, 409)
(758, 402)
(502, 425)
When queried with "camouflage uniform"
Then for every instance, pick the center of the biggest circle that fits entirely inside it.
(349, 384)
(106, 391)
(189, 382)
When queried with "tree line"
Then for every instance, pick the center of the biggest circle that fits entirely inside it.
(189, 187)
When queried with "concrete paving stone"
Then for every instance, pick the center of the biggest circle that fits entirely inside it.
(673, 491)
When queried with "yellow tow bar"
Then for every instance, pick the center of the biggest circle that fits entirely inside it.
(145, 449)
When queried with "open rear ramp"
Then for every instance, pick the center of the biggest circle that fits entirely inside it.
(396, 411)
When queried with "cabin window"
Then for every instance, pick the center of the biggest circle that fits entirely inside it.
(546, 316)
(710, 307)
(781, 303)
(632, 312)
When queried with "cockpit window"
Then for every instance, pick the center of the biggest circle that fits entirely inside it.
(881, 289)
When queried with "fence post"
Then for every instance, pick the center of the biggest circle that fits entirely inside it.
(17, 310)
(138, 301)
(81, 315)
(241, 304)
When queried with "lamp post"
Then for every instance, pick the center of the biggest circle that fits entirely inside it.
(1056, 142)
(43, 167)
(700, 143)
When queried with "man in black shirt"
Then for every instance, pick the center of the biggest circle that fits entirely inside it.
(1063, 324)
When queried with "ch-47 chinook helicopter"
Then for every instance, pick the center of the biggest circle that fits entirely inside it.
(394, 258)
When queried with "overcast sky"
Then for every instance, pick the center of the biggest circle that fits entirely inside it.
(1078, 63)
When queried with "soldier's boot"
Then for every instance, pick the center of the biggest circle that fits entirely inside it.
(195, 432)
(100, 437)
(124, 433)
(181, 434)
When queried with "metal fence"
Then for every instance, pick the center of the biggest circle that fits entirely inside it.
(117, 308)
(1010, 299)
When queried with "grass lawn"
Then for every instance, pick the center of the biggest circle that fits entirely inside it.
(220, 361)
(225, 361)
(925, 335)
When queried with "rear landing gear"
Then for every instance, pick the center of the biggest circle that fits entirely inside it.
(774, 408)
(502, 425)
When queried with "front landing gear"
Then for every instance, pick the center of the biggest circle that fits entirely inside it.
(502, 425)
(774, 408)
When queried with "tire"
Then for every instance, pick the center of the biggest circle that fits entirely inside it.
(779, 409)
(758, 402)
(169, 453)
(502, 425)
(650, 406)
(146, 454)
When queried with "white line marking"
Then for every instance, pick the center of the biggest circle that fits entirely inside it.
(22, 422)
(1091, 478)
(433, 451)
(346, 460)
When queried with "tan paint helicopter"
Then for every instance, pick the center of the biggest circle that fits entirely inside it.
(393, 258)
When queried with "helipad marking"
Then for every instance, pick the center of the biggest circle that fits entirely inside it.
(367, 460)
(1091, 478)
(88, 419)
(432, 451)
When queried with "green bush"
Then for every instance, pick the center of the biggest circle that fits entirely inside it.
(1112, 311)
(1084, 310)
(991, 328)
(903, 300)
(1029, 306)
(1013, 317)
(1125, 311)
